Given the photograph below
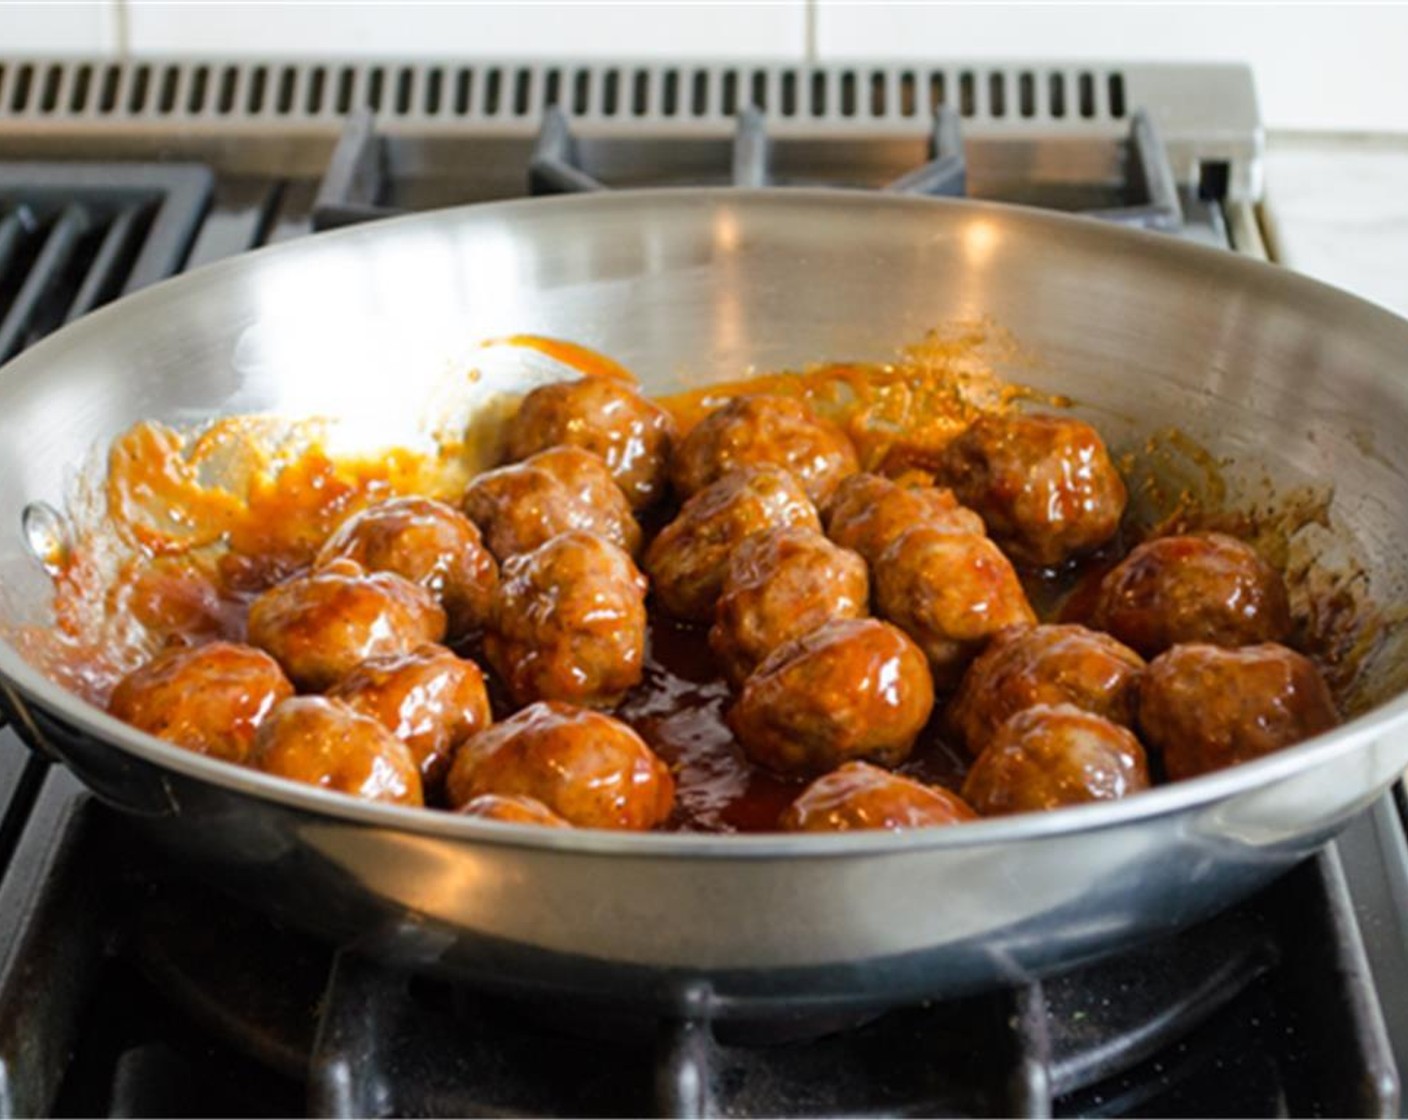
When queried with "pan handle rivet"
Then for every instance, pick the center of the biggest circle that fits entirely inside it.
(46, 533)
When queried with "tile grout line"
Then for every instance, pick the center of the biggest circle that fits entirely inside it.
(122, 29)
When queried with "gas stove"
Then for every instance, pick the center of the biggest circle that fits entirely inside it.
(126, 989)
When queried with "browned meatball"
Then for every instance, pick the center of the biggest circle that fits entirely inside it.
(765, 430)
(852, 689)
(591, 770)
(325, 743)
(1205, 707)
(781, 584)
(688, 561)
(1044, 485)
(1202, 588)
(950, 592)
(210, 699)
(428, 543)
(514, 809)
(429, 699)
(870, 512)
(320, 626)
(1053, 755)
(524, 505)
(858, 796)
(633, 436)
(569, 623)
(1026, 666)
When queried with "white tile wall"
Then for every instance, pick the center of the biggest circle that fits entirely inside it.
(55, 28)
(1316, 65)
(573, 28)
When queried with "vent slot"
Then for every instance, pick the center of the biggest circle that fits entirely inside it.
(789, 93)
(254, 99)
(523, 92)
(730, 95)
(200, 87)
(997, 93)
(137, 95)
(879, 94)
(1026, 93)
(53, 81)
(581, 91)
(760, 90)
(1087, 95)
(967, 94)
(493, 89)
(82, 85)
(610, 93)
(1116, 91)
(464, 92)
(819, 93)
(938, 85)
(434, 86)
(671, 94)
(19, 98)
(552, 88)
(405, 78)
(1056, 91)
(317, 87)
(640, 93)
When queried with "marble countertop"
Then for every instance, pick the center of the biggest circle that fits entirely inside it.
(1337, 209)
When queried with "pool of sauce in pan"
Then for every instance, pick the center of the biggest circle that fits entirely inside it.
(679, 709)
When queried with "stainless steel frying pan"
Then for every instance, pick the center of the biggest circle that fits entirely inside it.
(1270, 369)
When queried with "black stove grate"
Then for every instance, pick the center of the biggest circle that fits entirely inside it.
(354, 187)
(74, 236)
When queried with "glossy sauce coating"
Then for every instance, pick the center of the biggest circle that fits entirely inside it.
(429, 699)
(870, 512)
(513, 809)
(688, 560)
(851, 689)
(1203, 707)
(568, 623)
(210, 699)
(322, 625)
(429, 543)
(631, 434)
(326, 743)
(590, 769)
(522, 506)
(765, 430)
(950, 592)
(782, 584)
(1055, 664)
(1044, 485)
(861, 796)
(1052, 755)
(1207, 587)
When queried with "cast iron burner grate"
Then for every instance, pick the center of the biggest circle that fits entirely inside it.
(354, 187)
(74, 236)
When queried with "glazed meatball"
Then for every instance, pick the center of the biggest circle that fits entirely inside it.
(568, 623)
(950, 592)
(1205, 707)
(765, 430)
(429, 699)
(859, 796)
(852, 689)
(782, 584)
(320, 626)
(870, 512)
(633, 436)
(1044, 485)
(514, 809)
(589, 769)
(426, 542)
(688, 561)
(1053, 755)
(519, 507)
(1202, 588)
(210, 699)
(325, 743)
(1026, 666)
